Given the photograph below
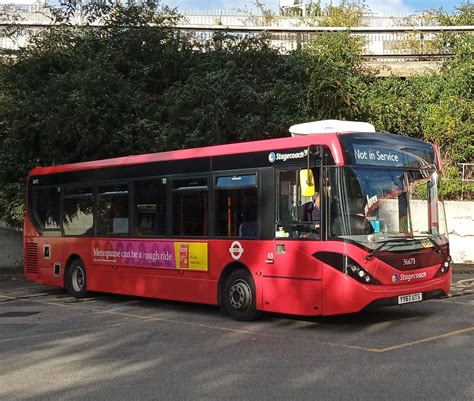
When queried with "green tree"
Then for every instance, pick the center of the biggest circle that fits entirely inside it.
(238, 91)
(82, 93)
(348, 13)
(336, 75)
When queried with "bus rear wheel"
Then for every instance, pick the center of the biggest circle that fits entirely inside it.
(239, 296)
(76, 279)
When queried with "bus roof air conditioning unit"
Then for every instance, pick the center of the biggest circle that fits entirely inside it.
(330, 126)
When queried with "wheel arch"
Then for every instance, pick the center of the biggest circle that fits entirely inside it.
(226, 272)
(67, 266)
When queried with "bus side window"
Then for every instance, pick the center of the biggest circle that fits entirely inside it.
(150, 207)
(78, 205)
(236, 206)
(190, 207)
(112, 210)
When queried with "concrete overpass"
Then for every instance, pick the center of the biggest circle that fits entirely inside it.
(390, 49)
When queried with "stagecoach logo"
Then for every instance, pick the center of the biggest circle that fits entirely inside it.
(236, 250)
(407, 277)
(273, 157)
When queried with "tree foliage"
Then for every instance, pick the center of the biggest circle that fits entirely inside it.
(336, 75)
(135, 85)
(347, 13)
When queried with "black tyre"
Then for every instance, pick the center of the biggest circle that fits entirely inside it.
(239, 296)
(76, 279)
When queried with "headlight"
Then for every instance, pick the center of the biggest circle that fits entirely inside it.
(444, 268)
(348, 266)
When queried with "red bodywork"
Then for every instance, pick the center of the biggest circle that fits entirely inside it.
(293, 282)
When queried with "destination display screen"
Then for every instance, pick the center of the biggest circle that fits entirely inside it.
(378, 156)
(385, 150)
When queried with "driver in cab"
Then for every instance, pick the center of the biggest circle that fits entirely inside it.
(310, 211)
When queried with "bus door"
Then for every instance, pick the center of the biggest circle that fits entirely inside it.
(292, 284)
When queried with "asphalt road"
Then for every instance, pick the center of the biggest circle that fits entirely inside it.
(53, 347)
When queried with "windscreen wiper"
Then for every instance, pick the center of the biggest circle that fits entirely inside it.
(383, 243)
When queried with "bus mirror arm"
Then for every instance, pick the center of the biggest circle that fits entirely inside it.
(312, 150)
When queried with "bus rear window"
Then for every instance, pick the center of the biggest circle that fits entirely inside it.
(47, 208)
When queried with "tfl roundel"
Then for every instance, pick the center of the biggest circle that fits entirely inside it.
(236, 250)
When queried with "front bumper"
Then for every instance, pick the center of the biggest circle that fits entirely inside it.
(393, 301)
(343, 294)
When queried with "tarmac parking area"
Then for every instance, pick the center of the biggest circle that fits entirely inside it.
(115, 347)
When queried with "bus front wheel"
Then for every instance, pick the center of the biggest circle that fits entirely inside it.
(76, 279)
(239, 296)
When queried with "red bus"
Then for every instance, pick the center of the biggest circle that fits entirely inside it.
(321, 224)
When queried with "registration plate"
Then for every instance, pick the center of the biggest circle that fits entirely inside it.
(406, 299)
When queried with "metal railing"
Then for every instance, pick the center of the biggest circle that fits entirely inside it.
(467, 176)
(388, 43)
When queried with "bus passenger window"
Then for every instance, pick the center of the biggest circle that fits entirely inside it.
(78, 218)
(112, 210)
(190, 204)
(236, 206)
(150, 207)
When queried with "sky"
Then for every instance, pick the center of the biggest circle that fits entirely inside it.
(385, 8)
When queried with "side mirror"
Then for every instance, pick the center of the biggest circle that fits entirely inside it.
(307, 184)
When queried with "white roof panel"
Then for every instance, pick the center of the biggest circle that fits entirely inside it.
(327, 126)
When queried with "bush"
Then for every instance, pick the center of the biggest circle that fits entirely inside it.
(137, 86)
